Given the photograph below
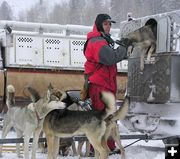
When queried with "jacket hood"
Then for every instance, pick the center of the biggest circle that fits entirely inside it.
(93, 33)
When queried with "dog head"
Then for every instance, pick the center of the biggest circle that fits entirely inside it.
(142, 34)
(52, 100)
(55, 94)
(142, 39)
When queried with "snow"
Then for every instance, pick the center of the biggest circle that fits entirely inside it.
(132, 152)
(152, 149)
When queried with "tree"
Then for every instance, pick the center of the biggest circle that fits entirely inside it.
(38, 13)
(5, 11)
(59, 14)
(74, 11)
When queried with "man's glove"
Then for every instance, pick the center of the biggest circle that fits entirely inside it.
(124, 42)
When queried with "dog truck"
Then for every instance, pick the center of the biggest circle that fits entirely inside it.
(155, 91)
(37, 54)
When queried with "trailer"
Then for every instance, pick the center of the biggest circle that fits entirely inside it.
(37, 54)
(155, 92)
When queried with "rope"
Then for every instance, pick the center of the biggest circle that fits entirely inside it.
(146, 140)
(132, 143)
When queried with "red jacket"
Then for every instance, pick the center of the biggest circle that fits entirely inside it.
(101, 60)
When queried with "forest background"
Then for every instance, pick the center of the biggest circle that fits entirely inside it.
(83, 12)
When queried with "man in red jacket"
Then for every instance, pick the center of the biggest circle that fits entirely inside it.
(101, 59)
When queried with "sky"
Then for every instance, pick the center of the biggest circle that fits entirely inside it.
(20, 5)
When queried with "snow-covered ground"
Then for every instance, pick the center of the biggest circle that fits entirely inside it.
(141, 150)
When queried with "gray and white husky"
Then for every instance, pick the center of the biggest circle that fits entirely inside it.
(29, 119)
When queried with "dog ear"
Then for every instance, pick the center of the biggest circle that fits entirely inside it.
(50, 86)
(48, 94)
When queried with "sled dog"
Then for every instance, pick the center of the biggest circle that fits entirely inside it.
(72, 103)
(94, 124)
(144, 42)
(29, 119)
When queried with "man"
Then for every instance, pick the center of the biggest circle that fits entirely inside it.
(101, 59)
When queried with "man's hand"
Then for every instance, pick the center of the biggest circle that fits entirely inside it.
(124, 42)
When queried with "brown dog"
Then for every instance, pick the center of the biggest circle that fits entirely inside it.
(95, 125)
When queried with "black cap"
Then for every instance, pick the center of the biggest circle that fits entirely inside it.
(100, 19)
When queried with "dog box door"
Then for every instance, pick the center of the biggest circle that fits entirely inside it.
(163, 35)
(28, 50)
(158, 83)
(56, 52)
(77, 55)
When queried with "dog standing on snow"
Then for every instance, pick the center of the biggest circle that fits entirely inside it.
(29, 119)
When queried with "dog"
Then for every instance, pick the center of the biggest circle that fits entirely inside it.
(143, 44)
(71, 98)
(94, 124)
(29, 119)
(73, 103)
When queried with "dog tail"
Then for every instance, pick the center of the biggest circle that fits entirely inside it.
(10, 100)
(121, 112)
(10, 89)
(109, 100)
(34, 95)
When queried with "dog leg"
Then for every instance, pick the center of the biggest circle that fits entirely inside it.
(116, 137)
(142, 60)
(35, 141)
(151, 50)
(50, 145)
(79, 148)
(87, 148)
(129, 51)
(74, 148)
(19, 135)
(100, 151)
(56, 147)
(6, 128)
(26, 145)
(29, 128)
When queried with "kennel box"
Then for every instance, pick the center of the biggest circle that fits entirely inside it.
(158, 82)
